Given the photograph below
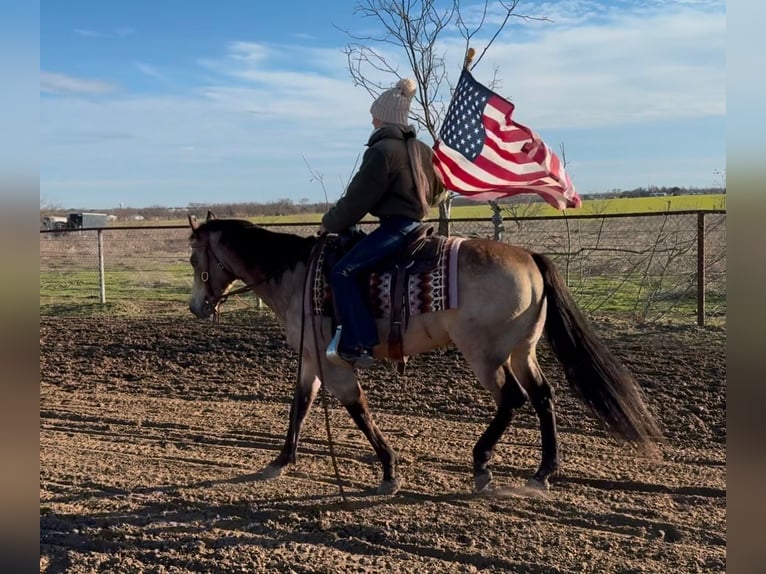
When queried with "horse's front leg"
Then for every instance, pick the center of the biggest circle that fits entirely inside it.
(303, 397)
(355, 402)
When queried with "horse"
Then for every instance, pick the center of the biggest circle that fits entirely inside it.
(508, 297)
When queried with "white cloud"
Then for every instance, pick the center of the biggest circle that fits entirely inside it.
(287, 83)
(635, 69)
(123, 32)
(571, 13)
(250, 57)
(148, 70)
(63, 84)
(258, 109)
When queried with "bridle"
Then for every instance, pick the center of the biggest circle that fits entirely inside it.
(313, 261)
(213, 300)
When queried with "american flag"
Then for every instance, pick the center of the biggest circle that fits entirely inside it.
(483, 154)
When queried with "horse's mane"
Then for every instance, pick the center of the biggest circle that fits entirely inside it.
(272, 252)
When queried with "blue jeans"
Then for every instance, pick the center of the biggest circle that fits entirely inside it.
(348, 289)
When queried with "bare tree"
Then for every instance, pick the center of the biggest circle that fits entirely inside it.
(497, 220)
(49, 207)
(519, 209)
(413, 28)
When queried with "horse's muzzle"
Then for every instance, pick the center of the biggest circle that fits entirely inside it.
(204, 311)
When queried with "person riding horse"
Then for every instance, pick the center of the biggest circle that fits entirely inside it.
(397, 183)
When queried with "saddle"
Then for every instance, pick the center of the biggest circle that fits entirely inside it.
(391, 281)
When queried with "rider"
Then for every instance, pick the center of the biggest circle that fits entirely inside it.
(397, 183)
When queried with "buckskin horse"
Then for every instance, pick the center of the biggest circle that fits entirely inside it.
(507, 298)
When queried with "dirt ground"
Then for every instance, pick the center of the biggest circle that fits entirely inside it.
(152, 432)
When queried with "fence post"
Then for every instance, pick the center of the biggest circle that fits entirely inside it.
(101, 283)
(497, 220)
(445, 222)
(701, 269)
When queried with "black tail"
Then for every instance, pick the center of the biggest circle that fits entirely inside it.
(593, 373)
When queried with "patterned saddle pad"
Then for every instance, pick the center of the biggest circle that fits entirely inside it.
(431, 283)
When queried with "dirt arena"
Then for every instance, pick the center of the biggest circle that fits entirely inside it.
(153, 429)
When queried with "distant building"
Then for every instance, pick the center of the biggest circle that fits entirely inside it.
(53, 222)
(86, 220)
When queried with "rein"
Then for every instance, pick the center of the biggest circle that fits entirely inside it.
(310, 270)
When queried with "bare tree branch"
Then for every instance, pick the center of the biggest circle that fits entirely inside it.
(470, 33)
(414, 28)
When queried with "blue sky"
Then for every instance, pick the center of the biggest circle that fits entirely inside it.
(171, 103)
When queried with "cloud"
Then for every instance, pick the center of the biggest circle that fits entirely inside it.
(123, 32)
(631, 69)
(74, 136)
(242, 59)
(63, 84)
(257, 109)
(288, 83)
(148, 70)
(532, 17)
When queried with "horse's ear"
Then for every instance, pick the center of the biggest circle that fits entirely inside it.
(193, 222)
(210, 215)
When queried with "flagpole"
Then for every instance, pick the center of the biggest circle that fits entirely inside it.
(469, 58)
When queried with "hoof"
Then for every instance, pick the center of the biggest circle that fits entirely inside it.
(536, 484)
(483, 482)
(270, 472)
(389, 486)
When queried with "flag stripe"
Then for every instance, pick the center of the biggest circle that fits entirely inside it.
(481, 174)
(519, 161)
(473, 179)
(472, 175)
(483, 153)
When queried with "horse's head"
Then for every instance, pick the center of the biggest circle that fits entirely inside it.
(212, 277)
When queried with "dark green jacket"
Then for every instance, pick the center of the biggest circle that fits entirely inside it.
(384, 184)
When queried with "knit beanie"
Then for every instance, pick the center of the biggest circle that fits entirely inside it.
(393, 105)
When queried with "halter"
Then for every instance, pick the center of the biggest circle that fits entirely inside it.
(213, 300)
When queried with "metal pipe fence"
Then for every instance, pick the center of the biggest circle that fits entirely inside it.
(668, 267)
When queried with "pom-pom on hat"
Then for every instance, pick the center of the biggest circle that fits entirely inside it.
(393, 105)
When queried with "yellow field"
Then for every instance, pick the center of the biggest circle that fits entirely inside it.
(537, 209)
(589, 206)
(605, 206)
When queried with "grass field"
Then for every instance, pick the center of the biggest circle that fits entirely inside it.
(604, 206)
(528, 209)
(538, 209)
(76, 294)
(637, 267)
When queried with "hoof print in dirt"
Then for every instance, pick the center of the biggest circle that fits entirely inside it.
(388, 487)
(483, 482)
(190, 484)
(269, 473)
(541, 485)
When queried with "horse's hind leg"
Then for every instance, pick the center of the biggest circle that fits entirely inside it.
(357, 407)
(526, 367)
(508, 395)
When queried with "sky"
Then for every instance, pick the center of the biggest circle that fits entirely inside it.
(173, 103)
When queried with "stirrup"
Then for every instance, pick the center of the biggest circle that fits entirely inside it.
(362, 360)
(332, 349)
